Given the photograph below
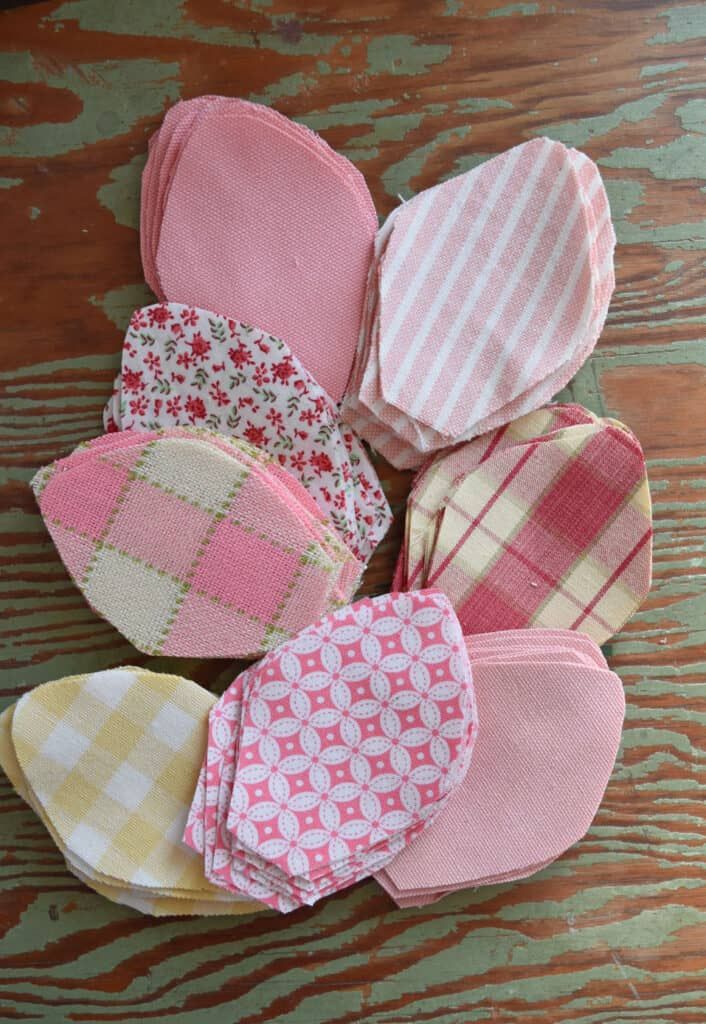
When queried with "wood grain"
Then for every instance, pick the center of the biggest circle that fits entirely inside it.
(613, 933)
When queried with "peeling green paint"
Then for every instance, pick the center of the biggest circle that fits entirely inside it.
(650, 70)
(386, 128)
(139, 18)
(120, 303)
(10, 182)
(478, 104)
(683, 24)
(355, 112)
(506, 12)
(398, 175)
(122, 194)
(34, 212)
(403, 55)
(577, 133)
(290, 85)
(114, 98)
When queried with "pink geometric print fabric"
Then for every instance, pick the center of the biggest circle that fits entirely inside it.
(246, 212)
(486, 294)
(551, 716)
(164, 534)
(326, 758)
(553, 530)
(183, 366)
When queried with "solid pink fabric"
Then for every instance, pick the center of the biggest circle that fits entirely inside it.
(549, 734)
(264, 222)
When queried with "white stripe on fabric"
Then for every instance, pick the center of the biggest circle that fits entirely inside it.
(459, 263)
(469, 304)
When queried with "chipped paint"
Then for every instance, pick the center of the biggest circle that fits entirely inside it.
(403, 55)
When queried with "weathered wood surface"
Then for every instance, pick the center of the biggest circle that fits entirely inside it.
(615, 932)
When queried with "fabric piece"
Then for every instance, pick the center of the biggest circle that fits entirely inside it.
(549, 738)
(254, 215)
(554, 532)
(441, 474)
(164, 534)
(334, 751)
(530, 228)
(108, 762)
(183, 366)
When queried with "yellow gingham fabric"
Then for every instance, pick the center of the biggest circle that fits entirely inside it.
(109, 762)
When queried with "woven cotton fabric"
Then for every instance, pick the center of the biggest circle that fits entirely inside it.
(165, 534)
(551, 717)
(108, 761)
(485, 295)
(329, 756)
(183, 366)
(251, 214)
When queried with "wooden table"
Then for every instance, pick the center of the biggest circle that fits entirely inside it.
(613, 933)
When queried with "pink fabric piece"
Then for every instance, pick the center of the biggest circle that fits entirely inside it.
(550, 732)
(264, 222)
(335, 750)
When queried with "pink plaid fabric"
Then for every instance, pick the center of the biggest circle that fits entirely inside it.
(164, 534)
(441, 474)
(249, 213)
(555, 531)
(183, 366)
(485, 295)
(551, 715)
(325, 759)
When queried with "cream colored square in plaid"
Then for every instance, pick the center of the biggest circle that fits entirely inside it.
(128, 786)
(505, 517)
(111, 686)
(474, 556)
(194, 470)
(92, 842)
(557, 613)
(616, 604)
(584, 581)
(65, 747)
(474, 494)
(173, 726)
(136, 599)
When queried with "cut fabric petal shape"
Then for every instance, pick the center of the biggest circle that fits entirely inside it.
(108, 762)
(254, 215)
(164, 534)
(335, 751)
(438, 361)
(550, 735)
(183, 366)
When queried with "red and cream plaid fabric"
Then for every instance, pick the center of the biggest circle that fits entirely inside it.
(550, 531)
(551, 716)
(192, 544)
(183, 366)
(485, 295)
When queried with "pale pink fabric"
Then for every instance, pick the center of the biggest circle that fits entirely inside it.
(550, 727)
(255, 216)
(486, 294)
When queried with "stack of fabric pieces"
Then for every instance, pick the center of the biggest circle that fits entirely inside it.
(551, 716)
(546, 522)
(108, 761)
(193, 544)
(334, 752)
(248, 213)
(484, 297)
(184, 366)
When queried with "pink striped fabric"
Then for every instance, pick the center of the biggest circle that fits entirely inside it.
(486, 294)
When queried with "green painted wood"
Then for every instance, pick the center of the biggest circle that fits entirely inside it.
(613, 933)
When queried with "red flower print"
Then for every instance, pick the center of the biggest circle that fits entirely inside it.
(321, 462)
(320, 403)
(195, 409)
(158, 403)
(298, 461)
(260, 375)
(200, 347)
(218, 367)
(138, 406)
(132, 381)
(178, 378)
(185, 359)
(174, 405)
(190, 317)
(218, 394)
(284, 370)
(308, 416)
(130, 349)
(159, 315)
(154, 363)
(240, 356)
(263, 346)
(138, 320)
(275, 419)
(300, 385)
(255, 435)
